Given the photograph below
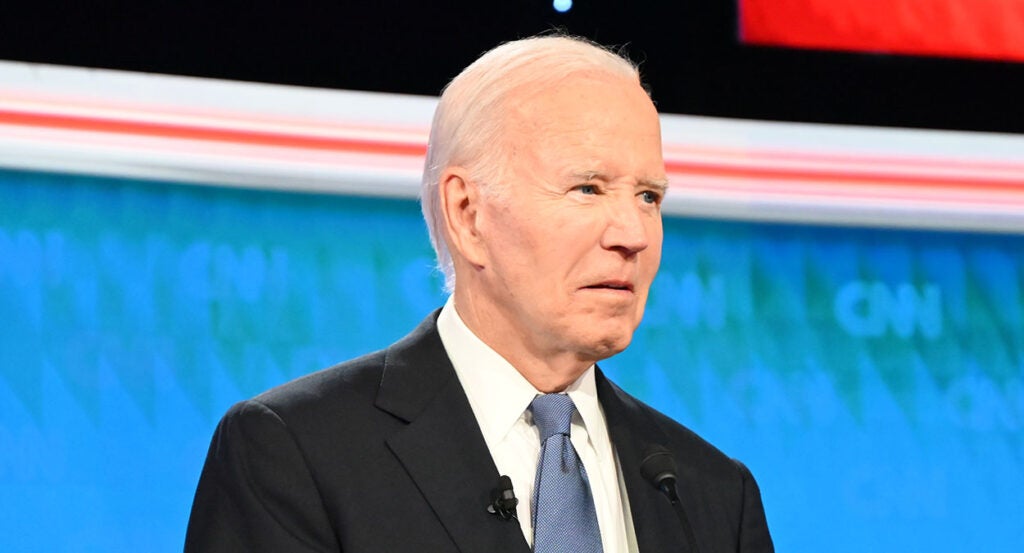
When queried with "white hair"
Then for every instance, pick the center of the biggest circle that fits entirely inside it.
(468, 122)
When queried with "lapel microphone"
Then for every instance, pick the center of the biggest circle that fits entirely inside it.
(658, 467)
(504, 502)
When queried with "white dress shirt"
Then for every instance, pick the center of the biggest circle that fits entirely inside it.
(500, 396)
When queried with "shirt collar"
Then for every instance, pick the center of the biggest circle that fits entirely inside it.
(498, 393)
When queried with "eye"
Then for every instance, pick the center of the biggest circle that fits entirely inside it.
(588, 189)
(650, 197)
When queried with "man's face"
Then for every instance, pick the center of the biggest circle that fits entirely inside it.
(575, 239)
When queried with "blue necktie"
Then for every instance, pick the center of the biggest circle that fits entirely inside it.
(564, 518)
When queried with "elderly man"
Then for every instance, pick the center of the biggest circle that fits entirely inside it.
(542, 189)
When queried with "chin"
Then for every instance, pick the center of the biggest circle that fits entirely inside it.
(606, 346)
(603, 337)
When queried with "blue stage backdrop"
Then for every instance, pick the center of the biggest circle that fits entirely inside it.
(873, 380)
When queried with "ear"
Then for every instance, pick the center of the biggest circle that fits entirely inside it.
(460, 204)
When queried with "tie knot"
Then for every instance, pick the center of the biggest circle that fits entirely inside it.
(552, 413)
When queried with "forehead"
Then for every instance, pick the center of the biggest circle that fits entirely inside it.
(587, 121)
(579, 96)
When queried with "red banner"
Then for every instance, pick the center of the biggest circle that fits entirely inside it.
(986, 29)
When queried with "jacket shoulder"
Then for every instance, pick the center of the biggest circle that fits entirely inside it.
(359, 377)
(684, 443)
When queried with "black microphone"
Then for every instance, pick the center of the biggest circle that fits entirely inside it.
(504, 500)
(658, 467)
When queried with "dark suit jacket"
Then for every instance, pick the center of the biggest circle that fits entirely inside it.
(383, 454)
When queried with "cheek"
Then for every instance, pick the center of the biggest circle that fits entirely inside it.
(503, 230)
(653, 251)
(520, 252)
(655, 258)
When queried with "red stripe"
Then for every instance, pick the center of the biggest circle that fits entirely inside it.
(978, 184)
(169, 130)
(846, 159)
(973, 184)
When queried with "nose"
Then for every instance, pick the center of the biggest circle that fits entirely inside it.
(627, 229)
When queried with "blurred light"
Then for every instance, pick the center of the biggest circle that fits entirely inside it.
(563, 5)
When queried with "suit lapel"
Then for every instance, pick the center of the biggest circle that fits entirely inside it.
(444, 452)
(442, 447)
(632, 431)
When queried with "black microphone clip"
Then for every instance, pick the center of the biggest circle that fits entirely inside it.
(503, 500)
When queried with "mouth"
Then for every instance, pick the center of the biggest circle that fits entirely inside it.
(614, 285)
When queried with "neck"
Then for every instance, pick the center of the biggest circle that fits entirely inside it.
(547, 371)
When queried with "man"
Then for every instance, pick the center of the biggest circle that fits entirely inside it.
(541, 191)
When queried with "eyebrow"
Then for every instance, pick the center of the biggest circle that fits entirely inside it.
(660, 185)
